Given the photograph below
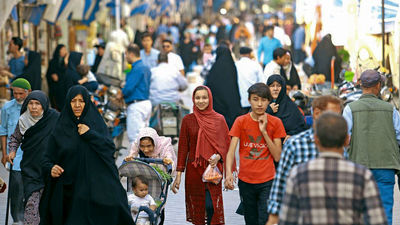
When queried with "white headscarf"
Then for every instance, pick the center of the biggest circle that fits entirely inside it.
(26, 121)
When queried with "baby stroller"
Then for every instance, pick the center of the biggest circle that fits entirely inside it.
(158, 184)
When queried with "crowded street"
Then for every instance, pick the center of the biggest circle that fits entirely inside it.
(204, 112)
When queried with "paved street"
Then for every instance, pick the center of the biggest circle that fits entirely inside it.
(175, 208)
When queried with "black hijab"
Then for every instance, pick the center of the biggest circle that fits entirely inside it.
(34, 144)
(294, 78)
(291, 117)
(222, 81)
(89, 191)
(72, 74)
(322, 56)
(56, 91)
(33, 71)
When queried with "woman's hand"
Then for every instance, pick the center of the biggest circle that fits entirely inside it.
(66, 59)
(167, 161)
(11, 157)
(82, 128)
(213, 161)
(54, 76)
(274, 107)
(128, 158)
(177, 182)
(56, 171)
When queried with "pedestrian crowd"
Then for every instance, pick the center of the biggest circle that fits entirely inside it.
(244, 124)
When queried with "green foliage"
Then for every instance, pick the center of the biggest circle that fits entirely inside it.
(344, 55)
(278, 4)
(164, 175)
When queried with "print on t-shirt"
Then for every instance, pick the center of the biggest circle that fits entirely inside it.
(257, 148)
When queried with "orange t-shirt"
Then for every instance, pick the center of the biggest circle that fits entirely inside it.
(256, 162)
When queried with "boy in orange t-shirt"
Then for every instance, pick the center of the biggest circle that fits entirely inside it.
(260, 137)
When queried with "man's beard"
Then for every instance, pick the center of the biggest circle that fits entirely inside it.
(20, 102)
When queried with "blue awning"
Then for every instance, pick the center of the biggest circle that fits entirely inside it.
(141, 9)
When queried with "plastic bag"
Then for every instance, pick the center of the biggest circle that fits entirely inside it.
(212, 175)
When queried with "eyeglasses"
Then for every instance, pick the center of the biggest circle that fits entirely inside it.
(166, 46)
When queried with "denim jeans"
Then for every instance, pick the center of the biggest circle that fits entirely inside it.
(255, 200)
(385, 180)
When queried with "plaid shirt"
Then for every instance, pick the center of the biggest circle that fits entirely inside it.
(298, 149)
(331, 190)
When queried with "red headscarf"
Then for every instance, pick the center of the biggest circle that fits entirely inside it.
(213, 133)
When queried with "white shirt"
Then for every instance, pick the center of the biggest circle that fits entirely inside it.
(135, 202)
(166, 82)
(91, 77)
(272, 68)
(249, 73)
(176, 61)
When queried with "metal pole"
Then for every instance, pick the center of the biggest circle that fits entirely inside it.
(19, 13)
(383, 33)
(117, 14)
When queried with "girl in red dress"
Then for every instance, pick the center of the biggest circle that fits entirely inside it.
(203, 134)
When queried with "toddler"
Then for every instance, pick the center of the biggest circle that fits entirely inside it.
(141, 197)
(88, 80)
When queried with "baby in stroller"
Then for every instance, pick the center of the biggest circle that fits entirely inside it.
(141, 197)
(150, 145)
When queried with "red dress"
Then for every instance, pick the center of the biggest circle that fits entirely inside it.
(194, 186)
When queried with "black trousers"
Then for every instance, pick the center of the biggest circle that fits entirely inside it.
(209, 207)
(255, 200)
(16, 190)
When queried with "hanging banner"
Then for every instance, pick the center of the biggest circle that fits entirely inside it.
(5, 9)
(52, 10)
(371, 15)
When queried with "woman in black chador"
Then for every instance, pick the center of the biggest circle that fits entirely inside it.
(56, 75)
(33, 70)
(222, 81)
(83, 185)
(34, 126)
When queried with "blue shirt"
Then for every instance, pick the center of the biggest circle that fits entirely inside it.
(137, 86)
(175, 34)
(151, 59)
(17, 65)
(299, 38)
(9, 119)
(348, 115)
(267, 46)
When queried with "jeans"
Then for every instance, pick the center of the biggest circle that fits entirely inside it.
(16, 191)
(385, 180)
(255, 200)
(138, 117)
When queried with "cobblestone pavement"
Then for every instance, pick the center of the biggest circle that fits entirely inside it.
(175, 208)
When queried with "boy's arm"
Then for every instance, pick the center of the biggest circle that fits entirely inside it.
(274, 146)
(229, 163)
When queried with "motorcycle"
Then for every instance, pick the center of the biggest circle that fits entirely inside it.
(112, 109)
(349, 92)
